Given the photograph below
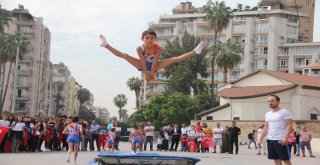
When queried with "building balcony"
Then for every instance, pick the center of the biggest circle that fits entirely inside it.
(165, 36)
(260, 56)
(237, 34)
(22, 98)
(20, 109)
(26, 59)
(260, 67)
(154, 93)
(161, 25)
(203, 24)
(206, 35)
(28, 23)
(23, 85)
(24, 72)
(28, 35)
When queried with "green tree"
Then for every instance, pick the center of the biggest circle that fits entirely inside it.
(86, 114)
(8, 52)
(228, 56)
(120, 101)
(162, 110)
(184, 75)
(5, 18)
(218, 16)
(58, 87)
(83, 95)
(135, 83)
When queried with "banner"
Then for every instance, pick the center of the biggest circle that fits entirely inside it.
(3, 132)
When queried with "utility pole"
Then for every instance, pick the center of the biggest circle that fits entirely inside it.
(13, 102)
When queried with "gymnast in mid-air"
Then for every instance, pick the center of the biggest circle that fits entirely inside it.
(149, 55)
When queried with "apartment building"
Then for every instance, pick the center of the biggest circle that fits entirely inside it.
(30, 96)
(297, 57)
(69, 105)
(102, 113)
(261, 31)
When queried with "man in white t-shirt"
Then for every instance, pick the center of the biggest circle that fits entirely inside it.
(217, 138)
(149, 131)
(278, 123)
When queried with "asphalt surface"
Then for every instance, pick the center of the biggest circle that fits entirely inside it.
(245, 157)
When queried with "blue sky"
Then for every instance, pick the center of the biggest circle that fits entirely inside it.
(76, 24)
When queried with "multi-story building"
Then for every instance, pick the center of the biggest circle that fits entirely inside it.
(32, 68)
(261, 31)
(61, 73)
(295, 57)
(102, 113)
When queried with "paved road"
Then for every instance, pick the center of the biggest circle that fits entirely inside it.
(245, 157)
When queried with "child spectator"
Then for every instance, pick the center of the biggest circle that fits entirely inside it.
(292, 142)
(103, 133)
(183, 140)
(135, 139)
(111, 139)
(159, 143)
(199, 140)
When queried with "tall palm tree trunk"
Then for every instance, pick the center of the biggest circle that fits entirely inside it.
(3, 68)
(212, 71)
(120, 115)
(225, 75)
(137, 100)
(6, 87)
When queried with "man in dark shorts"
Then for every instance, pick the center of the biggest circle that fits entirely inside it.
(278, 123)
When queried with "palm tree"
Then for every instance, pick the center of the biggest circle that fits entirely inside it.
(83, 95)
(134, 83)
(228, 56)
(8, 54)
(5, 18)
(58, 88)
(218, 16)
(120, 101)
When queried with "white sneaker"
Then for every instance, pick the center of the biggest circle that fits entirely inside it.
(199, 48)
(103, 40)
(68, 159)
(132, 152)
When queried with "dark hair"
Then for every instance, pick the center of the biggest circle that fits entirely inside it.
(75, 119)
(277, 97)
(151, 32)
(113, 129)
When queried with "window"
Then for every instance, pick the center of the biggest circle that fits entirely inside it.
(260, 64)
(283, 63)
(209, 117)
(262, 39)
(240, 40)
(239, 28)
(19, 92)
(236, 118)
(292, 29)
(313, 116)
(303, 61)
(308, 2)
(261, 28)
(261, 51)
(307, 19)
